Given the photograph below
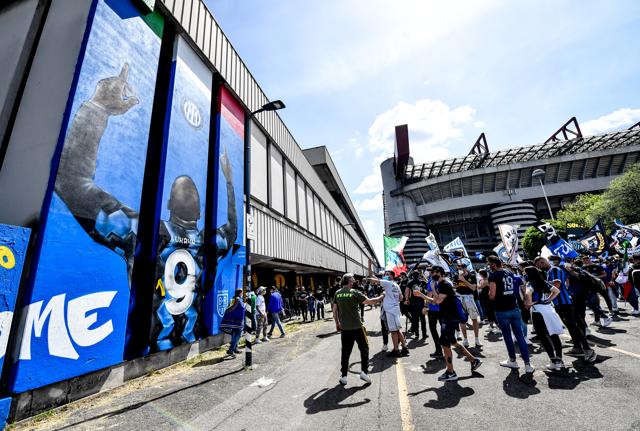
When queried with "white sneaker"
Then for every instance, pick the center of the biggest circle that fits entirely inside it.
(343, 380)
(478, 343)
(635, 313)
(509, 364)
(552, 366)
(465, 342)
(257, 341)
(385, 347)
(364, 377)
(605, 322)
(529, 369)
(526, 340)
(560, 365)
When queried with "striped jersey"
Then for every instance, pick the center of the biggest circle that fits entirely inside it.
(556, 273)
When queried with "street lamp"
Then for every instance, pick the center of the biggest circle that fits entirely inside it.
(271, 106)
(344, 245)
(539, 174)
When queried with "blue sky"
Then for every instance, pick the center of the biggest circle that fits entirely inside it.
(350, 70)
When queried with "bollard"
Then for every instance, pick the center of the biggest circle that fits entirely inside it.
(247, 350)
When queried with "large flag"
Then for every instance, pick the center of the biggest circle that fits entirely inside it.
(595, 240)
(458, 246)
(502, 253)
(562, 248)
(432, 243)
(626, 239)
(433, 255)
(394, 254)
(509, 237)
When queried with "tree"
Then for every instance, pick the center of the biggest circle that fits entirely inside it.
(620, 201)
(534, 240)
(585, 210)
(622, 198)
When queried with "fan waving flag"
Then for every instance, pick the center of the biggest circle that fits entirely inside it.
(394, 254)
(509, 237)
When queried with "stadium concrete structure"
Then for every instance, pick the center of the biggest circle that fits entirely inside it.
(469, 196)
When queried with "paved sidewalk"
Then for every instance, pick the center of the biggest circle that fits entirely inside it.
(295, 386)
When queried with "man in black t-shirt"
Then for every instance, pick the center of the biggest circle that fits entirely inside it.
(503, 294)
(445, 297)
(416, 304)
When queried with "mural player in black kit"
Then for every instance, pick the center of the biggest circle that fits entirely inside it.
(113, 224)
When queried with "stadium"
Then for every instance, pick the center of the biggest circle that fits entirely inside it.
(468, 197)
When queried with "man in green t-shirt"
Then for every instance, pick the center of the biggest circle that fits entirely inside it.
(346, 313)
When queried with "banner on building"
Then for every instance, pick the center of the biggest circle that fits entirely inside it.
(394, 254)
(178, 285)
(76, 308)
(230, 256)
(13, 249)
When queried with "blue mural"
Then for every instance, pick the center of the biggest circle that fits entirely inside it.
(13, 248)
(5, 407)
(229, 217)
(75, 312)
(178, 290)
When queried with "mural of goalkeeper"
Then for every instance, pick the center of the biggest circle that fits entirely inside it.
(113, 224)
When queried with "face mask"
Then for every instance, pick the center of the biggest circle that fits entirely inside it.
(386, 277)
(435, 277)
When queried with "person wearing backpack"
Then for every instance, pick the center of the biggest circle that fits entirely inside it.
(451, 311)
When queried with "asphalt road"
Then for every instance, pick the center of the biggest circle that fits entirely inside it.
(294, 386)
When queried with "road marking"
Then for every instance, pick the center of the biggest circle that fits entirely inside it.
(615, 349)
(403, 397)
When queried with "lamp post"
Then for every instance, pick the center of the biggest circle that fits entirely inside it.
(271, 106)
(344, 245)
(539, 174)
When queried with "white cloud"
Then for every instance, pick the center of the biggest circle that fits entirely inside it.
(371, 204)
(433, 127)
(370, 184)
(616, 120)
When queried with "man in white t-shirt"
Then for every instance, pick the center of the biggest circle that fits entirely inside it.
(390, 313)
(261, 316)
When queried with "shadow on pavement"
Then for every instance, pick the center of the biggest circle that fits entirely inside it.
(611, 331)
(380, 362)
(582, 371)
(433, 366)
(327, 335)
(600, 341)
(518, 386)
(447, 396)
(145, 402)
(330, 399)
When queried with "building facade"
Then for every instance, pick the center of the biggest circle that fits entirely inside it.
(468, 197)
(122, 181)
